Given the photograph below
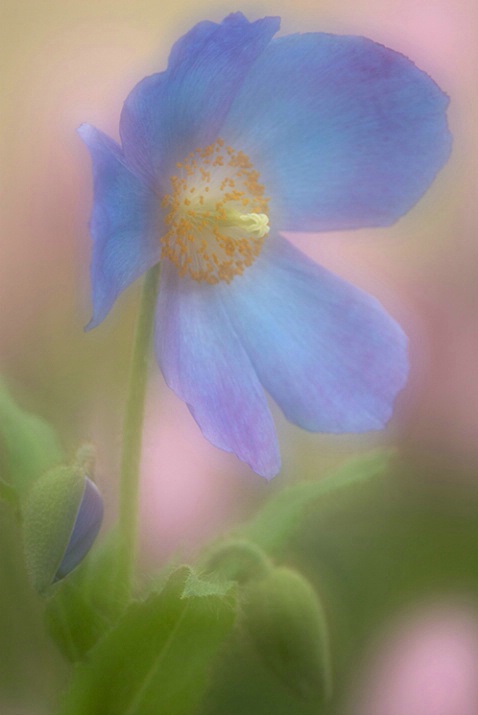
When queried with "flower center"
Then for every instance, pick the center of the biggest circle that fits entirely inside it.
(218, 219)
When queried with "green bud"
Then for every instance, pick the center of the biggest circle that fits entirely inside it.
(61, 518)
(287, 625)
(238, 560)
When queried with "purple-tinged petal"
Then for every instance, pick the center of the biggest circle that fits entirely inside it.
(344, 132)
(327, 352)
(203, 361)
(85, 530)
(126, 224)
(170, 114)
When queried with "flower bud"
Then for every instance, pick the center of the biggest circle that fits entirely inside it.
(61, 519)
(286, 623)
(238, 560)
(87, 524)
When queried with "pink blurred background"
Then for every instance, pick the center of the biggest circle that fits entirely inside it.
(425, 664)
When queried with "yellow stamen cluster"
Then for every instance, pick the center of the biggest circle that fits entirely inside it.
(217, 220)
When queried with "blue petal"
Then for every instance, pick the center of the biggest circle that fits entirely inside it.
(204, 362)
(125, 224)
(86, 528)
(328, 353)
(168, 115)
(345, 132)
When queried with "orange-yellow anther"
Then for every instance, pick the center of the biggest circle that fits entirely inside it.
(209, 236)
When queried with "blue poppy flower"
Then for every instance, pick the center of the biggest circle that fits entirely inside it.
(244, 136)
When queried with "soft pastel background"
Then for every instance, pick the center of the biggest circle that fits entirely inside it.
(398, 545)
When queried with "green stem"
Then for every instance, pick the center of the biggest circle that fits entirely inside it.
(132, 434)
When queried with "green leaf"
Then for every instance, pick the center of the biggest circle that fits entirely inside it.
(28, 445)
(283, 514)
(196, 586)
(156, 661)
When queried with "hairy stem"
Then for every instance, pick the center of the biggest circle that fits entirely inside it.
(132, 434)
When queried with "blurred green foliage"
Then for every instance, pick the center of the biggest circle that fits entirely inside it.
(28, 445)
(319, 571)
(158, 656)
(370, 552)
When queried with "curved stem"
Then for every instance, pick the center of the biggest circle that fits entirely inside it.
(133, 432)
